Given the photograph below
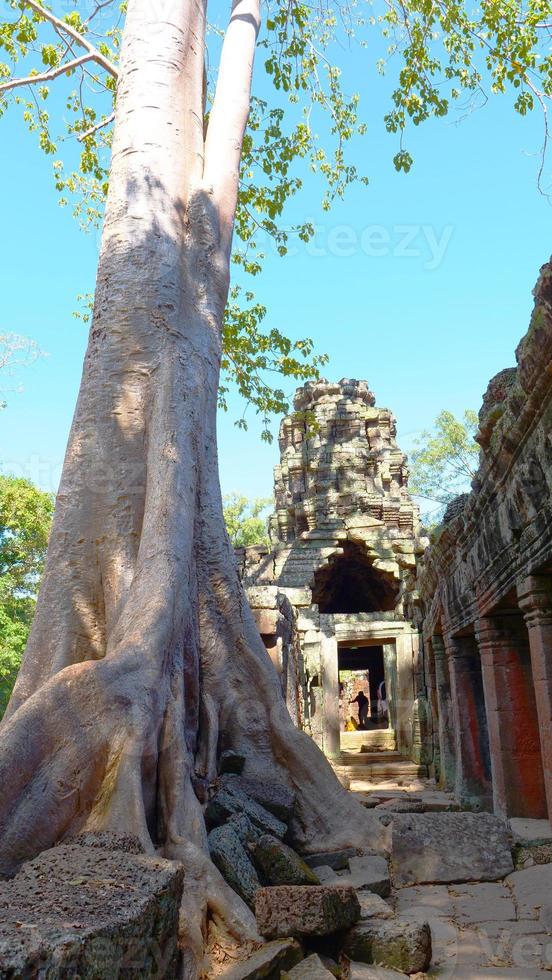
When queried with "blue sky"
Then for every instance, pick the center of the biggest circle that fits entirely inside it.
(420, 284)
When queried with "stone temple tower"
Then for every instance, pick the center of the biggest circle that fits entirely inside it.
(340, 463)
(331, 595)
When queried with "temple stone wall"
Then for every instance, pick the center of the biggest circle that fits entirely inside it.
(485, 587)
(345, 542)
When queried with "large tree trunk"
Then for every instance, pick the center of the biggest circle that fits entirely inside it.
(144, 660)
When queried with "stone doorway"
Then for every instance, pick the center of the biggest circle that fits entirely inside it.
(362, 668)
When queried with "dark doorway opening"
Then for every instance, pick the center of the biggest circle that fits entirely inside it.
(361, 673)
(349, 583)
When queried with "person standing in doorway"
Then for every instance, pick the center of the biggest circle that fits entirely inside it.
(363, 705)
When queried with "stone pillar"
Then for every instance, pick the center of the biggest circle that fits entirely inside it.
(330, 688)
(473, 786)
(445, 715)
(535, 599)
(404, 704)
(518, 782)
(390, 671)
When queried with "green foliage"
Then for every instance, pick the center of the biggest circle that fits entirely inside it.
(443, 53)
(246, 520)
(450, 51)
(25, 519)
(445, 459)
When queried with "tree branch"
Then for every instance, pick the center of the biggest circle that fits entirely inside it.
(94, 129)
(45, 76)
(230, 111)
(60, 25)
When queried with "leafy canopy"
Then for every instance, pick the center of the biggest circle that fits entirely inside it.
(445, 460)
(246, 520)
(441, 53)
(25, 519)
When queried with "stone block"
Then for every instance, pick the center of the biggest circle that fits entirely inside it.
(247, 832)
(280, 865)
(310, 969)
(268, 962)
(370, 872)
(338, 860)
(327, 875)
(399, 944)
(373, 907)
(528, 831)
(269, 621)
(272, 796)
(298, 597)
(89, 912)
(449, 847)
(109, 841)
(314, 910)
(230, 857)
(262, 596)
(227, 802)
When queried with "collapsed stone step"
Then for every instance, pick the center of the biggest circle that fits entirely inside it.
(230, 857)
(337, 860)
(91, 912)
(270, 961)
(441, 848)
(274, 797)
(399, 944)
(312, 968)
(280, 865)
(367, 871)
(225, 803)
(300, 911)
(373, 907)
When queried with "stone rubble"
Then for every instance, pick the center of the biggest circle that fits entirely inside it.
(449, 847)
(299, 911)
(267, 963)
(337, 860)
(311, 968)
(91, 912)
(231, 858)
(274, 797)
(399, 944)
(280, 865)
(227, 802)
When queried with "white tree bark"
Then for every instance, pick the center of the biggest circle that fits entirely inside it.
(144, 661)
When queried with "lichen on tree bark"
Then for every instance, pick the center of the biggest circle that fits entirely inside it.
(144, 661)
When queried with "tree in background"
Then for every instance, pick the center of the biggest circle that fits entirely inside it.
(246, 520)
(25, 519)
(144, 661)
(444, 461)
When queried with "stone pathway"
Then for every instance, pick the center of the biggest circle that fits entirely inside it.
(500, 929)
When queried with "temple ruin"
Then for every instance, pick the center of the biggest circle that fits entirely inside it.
(486, 592)
(330, 598)
(460, 631)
